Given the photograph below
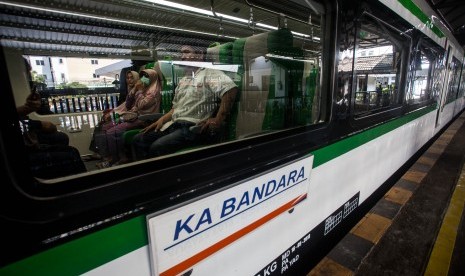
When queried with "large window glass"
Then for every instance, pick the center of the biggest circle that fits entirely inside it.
(454, 76)
(377, 74)
(462, 83)
(138, 80)
(425, 64)
(372, 51)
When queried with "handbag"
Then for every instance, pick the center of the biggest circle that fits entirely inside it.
(97, 129)
(129, 116)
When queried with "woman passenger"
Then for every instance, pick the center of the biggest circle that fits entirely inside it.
(143, 98)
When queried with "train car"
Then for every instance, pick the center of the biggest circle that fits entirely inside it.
(333, 100)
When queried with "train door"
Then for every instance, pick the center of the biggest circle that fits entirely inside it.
(442, 74)
(459, 83)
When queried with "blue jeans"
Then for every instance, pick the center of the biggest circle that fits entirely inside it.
(174, 138)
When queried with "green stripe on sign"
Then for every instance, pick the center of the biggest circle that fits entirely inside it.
(330, 152)
(415, 10)
(86, 253)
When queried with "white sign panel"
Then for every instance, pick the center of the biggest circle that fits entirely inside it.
(186, 237)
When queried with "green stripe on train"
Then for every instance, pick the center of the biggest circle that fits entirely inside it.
(82, 255)
(415, 10)
(86, 253)
(332, 151)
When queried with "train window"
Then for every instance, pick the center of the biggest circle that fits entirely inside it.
(454, 67)
(462, 83)
(372, 51)
(223, 71)
(377, 77)
(424, 64)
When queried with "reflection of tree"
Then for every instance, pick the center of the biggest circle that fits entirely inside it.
(37, 78)
(74, 84)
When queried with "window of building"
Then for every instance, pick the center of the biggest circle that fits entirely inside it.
(40, 62)
(94, 61)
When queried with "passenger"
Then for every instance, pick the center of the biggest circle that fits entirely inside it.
(137, 66)
(131, 79)
(49, 152)
(202, 101)
(144, 98)
(379, 94)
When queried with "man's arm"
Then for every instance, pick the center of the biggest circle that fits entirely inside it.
(227, 101)
(32, 104)
(157, 125)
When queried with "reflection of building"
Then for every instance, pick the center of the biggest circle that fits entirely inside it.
(60, 70)
(370, 71)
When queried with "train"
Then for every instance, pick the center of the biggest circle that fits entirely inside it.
(335, 100)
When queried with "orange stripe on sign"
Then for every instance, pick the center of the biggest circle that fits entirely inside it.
(230, 239)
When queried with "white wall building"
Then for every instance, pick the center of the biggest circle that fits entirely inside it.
(59, 70)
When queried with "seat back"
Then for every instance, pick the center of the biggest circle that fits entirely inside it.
(260, 96)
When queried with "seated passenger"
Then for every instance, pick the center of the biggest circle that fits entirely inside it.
(125, 88)
(198, 95)
(49, 153)
(131, 79)
(144, 98)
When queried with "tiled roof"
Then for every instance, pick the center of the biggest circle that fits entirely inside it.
(373, 64)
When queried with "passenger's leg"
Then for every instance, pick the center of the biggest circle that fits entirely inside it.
(56, 161)
(56, 138)
(178, 139)
(114, 137)
(141, 143)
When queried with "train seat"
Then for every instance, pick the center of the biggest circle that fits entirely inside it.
(259, 97)
(220, 54)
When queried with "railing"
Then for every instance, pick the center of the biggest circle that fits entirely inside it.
(370, 100)
(59, 101)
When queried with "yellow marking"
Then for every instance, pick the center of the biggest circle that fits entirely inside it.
(398, 195)
(441, 255)
(329, 267)
(414, 176)
(427, 161)
(443, 141)
(372, 227)
(435, 149)
(449, 134)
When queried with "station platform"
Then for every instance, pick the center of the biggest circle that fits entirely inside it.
(418, 227)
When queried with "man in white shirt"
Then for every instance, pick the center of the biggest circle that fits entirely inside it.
(202, 101)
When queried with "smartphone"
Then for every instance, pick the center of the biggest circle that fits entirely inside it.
(34, 92)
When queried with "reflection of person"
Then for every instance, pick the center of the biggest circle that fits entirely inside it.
(199, 94)
(144, 98)
(45, 131)
(48, 149)
(379, 93)
(131, 79)
(136, 65)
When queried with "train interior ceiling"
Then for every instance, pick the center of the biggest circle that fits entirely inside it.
(286, 93)
(117, 29)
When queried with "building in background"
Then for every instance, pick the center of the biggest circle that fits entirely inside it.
(56, 71)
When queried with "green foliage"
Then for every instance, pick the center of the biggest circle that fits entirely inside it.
(74, 84)
(37, 78)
